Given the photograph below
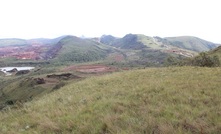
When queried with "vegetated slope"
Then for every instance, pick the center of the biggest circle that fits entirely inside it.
(22, 87)
(144, 50)
(139, 41)
(204, 59)
(129, 41)
(191, 43)
(157, 100)
(74, 49)
(215, 52)
(19, 89)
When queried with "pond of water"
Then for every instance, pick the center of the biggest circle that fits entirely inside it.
(5, 69)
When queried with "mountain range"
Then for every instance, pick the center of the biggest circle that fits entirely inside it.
(132, 48)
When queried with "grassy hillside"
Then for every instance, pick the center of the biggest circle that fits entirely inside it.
(210, 58)
(139, 49)
(140, 41)
(191, 43)
(216, 51)
(130, 41)
(148, 41)
(74, 49)
(163, 100)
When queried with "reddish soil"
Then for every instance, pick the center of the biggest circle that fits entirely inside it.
(32, 51)
(180, 52)
(22, 52)
(91, 69)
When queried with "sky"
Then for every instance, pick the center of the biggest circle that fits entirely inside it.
(92, 18)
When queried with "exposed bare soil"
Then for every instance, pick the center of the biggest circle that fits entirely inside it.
(32, 51)
(91, 68)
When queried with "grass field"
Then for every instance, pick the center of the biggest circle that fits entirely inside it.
(153, 100)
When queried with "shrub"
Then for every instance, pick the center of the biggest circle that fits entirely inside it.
(204, 60)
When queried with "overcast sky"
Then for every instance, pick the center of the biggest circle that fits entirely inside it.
(52, 18)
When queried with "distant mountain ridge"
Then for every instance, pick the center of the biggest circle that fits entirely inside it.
(129, 41)
(192, 43)
(139, 41)
(133, 48)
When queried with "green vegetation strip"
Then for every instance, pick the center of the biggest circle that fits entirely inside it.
(154, 100)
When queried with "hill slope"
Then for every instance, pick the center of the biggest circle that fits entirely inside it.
(146, 50)
(216, 51)
(132, 49)
(191, 43)
(139, 41)
(163, 100)
(74, 49)
(129, 41)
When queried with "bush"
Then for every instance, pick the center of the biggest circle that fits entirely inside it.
(204, 60)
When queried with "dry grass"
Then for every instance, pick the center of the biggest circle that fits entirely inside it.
(163, 100)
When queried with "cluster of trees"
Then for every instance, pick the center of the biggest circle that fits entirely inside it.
(202, 60)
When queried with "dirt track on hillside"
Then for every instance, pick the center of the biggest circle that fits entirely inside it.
(91, 68)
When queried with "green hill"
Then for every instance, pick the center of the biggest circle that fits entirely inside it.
(140, 41)
(191, 43)
(144, 50)
(132, 49)
(130, 41)
(74, 49)
(155, 100)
